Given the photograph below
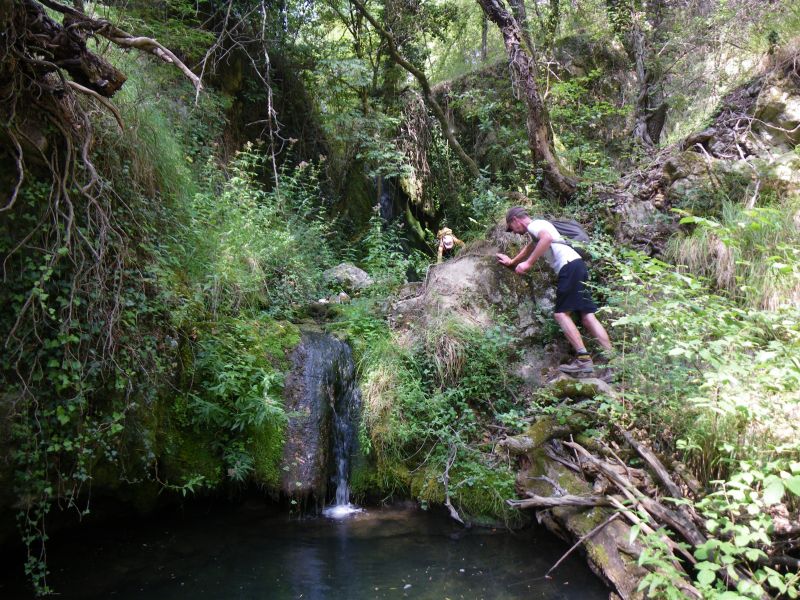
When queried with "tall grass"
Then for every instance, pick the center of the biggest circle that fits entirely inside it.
(752, 255)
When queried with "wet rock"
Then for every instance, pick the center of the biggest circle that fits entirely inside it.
(348, 276)
(322, 374)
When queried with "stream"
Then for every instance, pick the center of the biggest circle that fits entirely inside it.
(253, 550)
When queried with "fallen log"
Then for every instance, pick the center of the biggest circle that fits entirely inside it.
(533, 501)
(678, 522)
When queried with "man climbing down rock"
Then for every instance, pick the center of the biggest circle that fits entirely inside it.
(571, 293)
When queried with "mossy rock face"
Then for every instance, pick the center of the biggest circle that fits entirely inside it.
(6, 462)
(778, 113)
(280, 338)
(569, 387)
(7, 518)
(187, 454)
(266, 448)
(358, 196)
(371, 482)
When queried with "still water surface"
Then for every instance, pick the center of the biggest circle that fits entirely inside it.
(253, 551)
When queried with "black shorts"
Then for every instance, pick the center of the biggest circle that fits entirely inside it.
(571, 293)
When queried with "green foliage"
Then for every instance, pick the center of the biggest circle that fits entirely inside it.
(170, 252)
(585, 120)
(751, 254)
(738, 517)
(177, 24)
(244, 248)
(425, 410)
(683, 344)
(384, 258)
(718, 384)
(495, 116)
(665, 578)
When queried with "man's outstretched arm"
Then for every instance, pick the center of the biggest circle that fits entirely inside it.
(513, 262)
(545, 239)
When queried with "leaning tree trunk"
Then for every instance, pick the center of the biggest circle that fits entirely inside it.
(651, 110)
(523, 73)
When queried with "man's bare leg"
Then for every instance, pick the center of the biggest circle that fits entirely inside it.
(596, 329)
(570, 330)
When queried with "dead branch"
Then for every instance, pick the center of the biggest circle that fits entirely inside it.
(446, 482)
(655, 464)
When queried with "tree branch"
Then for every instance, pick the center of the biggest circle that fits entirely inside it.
(121, 38)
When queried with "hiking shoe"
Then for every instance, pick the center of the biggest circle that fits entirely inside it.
(578, 368)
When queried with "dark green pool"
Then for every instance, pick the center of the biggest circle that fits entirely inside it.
(252, 551)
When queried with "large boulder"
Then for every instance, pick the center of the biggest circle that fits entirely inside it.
(348, 276)
(474, 291)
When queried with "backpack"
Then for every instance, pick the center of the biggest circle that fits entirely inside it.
(573, 232)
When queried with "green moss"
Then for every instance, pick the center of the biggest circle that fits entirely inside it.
(266, 448)
(187, 454)
(598, 554)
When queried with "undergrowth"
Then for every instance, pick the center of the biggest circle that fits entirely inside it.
(716, 384)
(425, 414)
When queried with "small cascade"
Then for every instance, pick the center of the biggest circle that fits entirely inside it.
(346, 405)
(324, 402)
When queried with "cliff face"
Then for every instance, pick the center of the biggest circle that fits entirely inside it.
(748, 150)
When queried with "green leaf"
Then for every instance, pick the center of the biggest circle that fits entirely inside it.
(753, 554)
(62, 415)
(706, 577)
(793, 484)
(773, 490)
(634, 534)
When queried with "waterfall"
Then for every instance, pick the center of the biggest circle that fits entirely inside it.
(346, 404)
(323, 402)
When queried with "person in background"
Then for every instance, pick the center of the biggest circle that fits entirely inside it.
(447, 243)
(572, 296)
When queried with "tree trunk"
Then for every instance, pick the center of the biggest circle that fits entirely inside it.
(552, 22)
(427, 94)
(650, 110)
(521, 15)
(636, 43)
(523, 74)
(484, 37)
